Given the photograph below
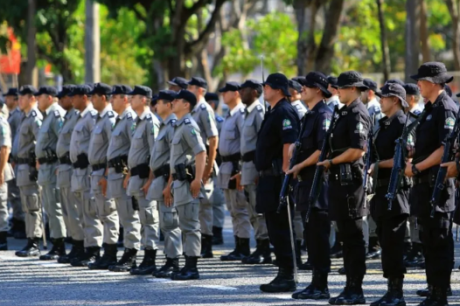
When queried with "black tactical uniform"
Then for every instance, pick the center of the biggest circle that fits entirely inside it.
(280, 126)
(435, 233)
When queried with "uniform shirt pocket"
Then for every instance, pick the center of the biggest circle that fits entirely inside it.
(138, 141)
(98, 136)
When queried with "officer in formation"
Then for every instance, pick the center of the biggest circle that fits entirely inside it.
(333, 89)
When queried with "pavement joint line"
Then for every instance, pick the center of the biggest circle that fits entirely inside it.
(218, 287)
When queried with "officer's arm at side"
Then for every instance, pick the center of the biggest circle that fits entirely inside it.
(433, 160)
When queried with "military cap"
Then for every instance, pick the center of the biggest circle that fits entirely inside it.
(371, 85)
(199, 82)
(27, 90)
(395, 90)
(167, 95)
(90, 86)
(80, 90)
(101, 89)
(351, 79)
(318, 80)
(278, 81)
(434, 72)
(395, 81)
(230, 86)
(253, 84)
(120, 89)
(178, 81)
(141, 90)
(66, 90)
(11, 92)
(154, 100)
(411, 89)
(332, 81)
(295, 85)
(187, 96)
(46, 90)
(448, 90)
(211, 96)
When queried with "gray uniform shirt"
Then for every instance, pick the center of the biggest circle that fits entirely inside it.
(6, 141)
(300, 109)
(14, 120)
(252, 121)
(160, 156)
(185, 145)
(203, 114)
(100, 136)
(63, 147)
(145, 129)
(230, 142)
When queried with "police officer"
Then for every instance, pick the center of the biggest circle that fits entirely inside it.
(213, 100)
(391, 224)
(187, 165)
(204, 116)
(45, 151)
(145, 129)
(316, 122)
(6, 174)
(117, 164)
(27, 172)
(279, 130)
(369, 98)
(71, 212)
(160, 186)
(412, 98)
(250, 92)
(18, 227)
(80, 181)
(177, 84)
(229, 148)
(345, 164)
(333, 89)
(436, 231)
(295, 89)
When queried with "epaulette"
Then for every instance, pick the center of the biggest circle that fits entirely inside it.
(242, 110)
(110, 114)
(148, 117)
(57, 114)
(203, 106)
(93, 113)
(129, 116)
(377, 109)
(187, 121)
(173, 122)
(259, 108)
(33, 113)
(220, 119)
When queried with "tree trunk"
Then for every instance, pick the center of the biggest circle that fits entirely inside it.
(311, 26)
(384, 43)
(300, 8)
(92, 43)
(31, 72)
(424, 32)
(454, 14)
(412, 36)
(325, 51)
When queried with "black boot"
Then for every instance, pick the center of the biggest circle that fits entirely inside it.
(235, 254)
(121, 237)
(206, 246)
(414, 256)
(438, 297)
(56, 251)
(217, 238)
(108, 259)
(91, 255)
(428, 290)
(374, 250)
(31, 249)
(261, 255)
(3, 241)
(317, 290)
(171, 266)
(77, 250)
(283, 282)
(126, 262)
(352, 294)
(189, 271)
(20, 231)
(147, 266)
(394, 295)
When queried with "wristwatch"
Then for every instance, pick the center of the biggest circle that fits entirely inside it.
(415, 170)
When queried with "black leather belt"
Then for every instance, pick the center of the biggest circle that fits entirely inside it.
(162, 171)
(65, 160)
(23, 161)
(249, 156)
(46, 160)
(98, 167)
(116, 161)
(82, 161)
(141, 170)
(232, 158)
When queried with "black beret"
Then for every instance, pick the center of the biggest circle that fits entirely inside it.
(230, 86)
(167, 95)
(178, 81)
(46, 90)
(187, 96)
(101, 89)
(27, 90)
(197, 81)
(141, 90)
(295, 85)
(211, 96)
(90, 86)
(412, 89)
(66, 90)
(120, 89)
(80, 90)
(11, 92)
(252, 84)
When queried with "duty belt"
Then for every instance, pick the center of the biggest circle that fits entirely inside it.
(249, 156)
(65, 159)
(422, 179)
(22, 161)
(97, 167)
(141, 170)
(116, 161)
(47, 160)
(231, 158)
(162, 171)
(82, 161)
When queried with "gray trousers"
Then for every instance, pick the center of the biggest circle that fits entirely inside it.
(169, 224)
(14, 198)
(189, 224)
(148, 214)
(31, 205)
(129, 219)
(238, 207)
(52, 205)
(218, 207)
(412, 231)
(257, 220)
(72, 215)
(91, 224)
(206, 209)
(4, 208)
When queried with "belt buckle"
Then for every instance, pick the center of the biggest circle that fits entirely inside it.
(125, 171)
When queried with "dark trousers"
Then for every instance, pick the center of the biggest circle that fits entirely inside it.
(318, 229)
(438, 244)
(354, 251)
(391, 231)
(278, 232)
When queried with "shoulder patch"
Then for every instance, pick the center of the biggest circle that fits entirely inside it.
(287, 125)
(220, 119)
(110, 114)
(33, 113)
(148, 117)
(129, 116)
(359, 128)
(326, 124)
(187, 121)
(259, 108)
(242, 110)
(93, 112)
(449, 124)
(173, 122)
(203, 106)
(57, 114)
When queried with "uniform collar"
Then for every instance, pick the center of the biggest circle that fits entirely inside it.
(144, 114)
(296, 102)
(236, 109)
(181, 120)
(32, 109)
(387, 120)
(86, 110)
(127, 111)
(105, 110)
(170, 118)
(201, 101)
(51, 108)
(251, 107)
(332, 100)
(280, 102)
(353, 104)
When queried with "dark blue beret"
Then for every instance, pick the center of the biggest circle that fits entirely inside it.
(210, 96)
(178, 81)
(121, 89)
(101, 89)
(252, 84)
(412, 89)
(66, 90)
(197, 81)
(46, 90)
(11, 92)
(80, 90)
(187, 96)
(167, 95)
(141, 90)
(230, 86)
(27, 90)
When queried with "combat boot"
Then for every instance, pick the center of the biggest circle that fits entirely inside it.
(317, 290)
(394, 295)
(261, 255)
(108, 259)
(31, 249)
(56, 251)
(374, 250)
(352, 294)
(428, 290)
(77, 250)
(217, 237)
(171, 266)
(126, 262)
(3, 241)
(206, 246)
(283, 282)
(438, 297)
(147, 266)
(189, 271)
(20, 230)
(90, 256)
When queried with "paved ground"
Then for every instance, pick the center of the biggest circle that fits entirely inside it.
(32, 282)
